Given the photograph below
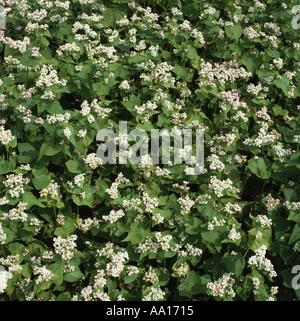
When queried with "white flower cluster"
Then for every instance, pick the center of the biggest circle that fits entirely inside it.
(99, 280)
(292, 206)
(37, 15)
(186, 204)
(115, 265)
(99, 110)
(87, 223)
(163, 241)
(78, 179)
(142, 110)
(220, 73)
(48, 255)
(16, 213)
(255, 282)
(71, 47)
(123, 22)
(145, 164)
(131, 270)
(233, 234)
(65, 247)
(198, 35)
(150, 276)
(190, 250)
(51, 190)
(67, 132)
(90, 294)
(43, 273)
(271, 202)
(230, 208)
(263, 137)
(162, 72)
(215, 222)
(2, 235)
(161, 171)
(154, 294)
(4, 200)
(52, 119)
(151, 246)
(263, 220)
(223, 286)
(113, 190)
(4, 277)
(182, 269)
(158, 218)
(82, 133)
(92, 160)
(281, 152)
(219, 186)
(113, 216)
(261, 262)
(150, 203)
(215, 163)
(133, 203)
(124, 85)
(16, 183)
(5, 136)
(48, 77)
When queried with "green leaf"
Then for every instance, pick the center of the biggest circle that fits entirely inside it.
(137, 233)
(295, 236)
(5, 167)
(290, 194)
(180, 71)
(254, 243)
(273, 53)
(42, 286)
(101, 89)
(192, 53)
(49, 148)
(57, 270)
(73, 166)
(194, 226)
(16, 248)
(283, 83)
(260, 167)
(163, 276)
(133, 101)
(52, 107)
(214, 237)
(31, 200)
(278, 111)
(42, 181)
(234, 263)
(73, 276)
(252, 62)
(111, 15)
(191, 285)
(66, 229)
(27, 153)
(234, 32)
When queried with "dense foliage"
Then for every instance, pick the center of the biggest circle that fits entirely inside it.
(72, 228)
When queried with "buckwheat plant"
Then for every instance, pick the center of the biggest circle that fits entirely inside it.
(76, 228)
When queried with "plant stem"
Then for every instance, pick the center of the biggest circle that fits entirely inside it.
(54, 208)
(246, 252)
(244, 185)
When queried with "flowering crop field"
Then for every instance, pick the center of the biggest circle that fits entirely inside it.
(76, 228)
